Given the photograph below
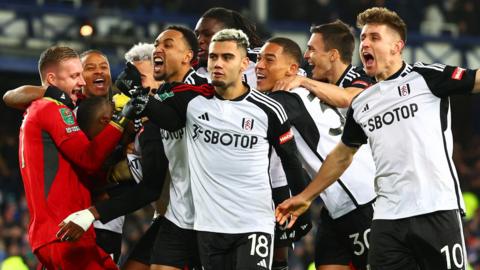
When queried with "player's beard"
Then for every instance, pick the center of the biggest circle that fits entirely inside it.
(219, 84)
(160, 77)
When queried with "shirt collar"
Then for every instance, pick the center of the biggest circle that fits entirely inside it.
(398, 73)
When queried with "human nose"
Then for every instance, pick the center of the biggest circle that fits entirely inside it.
(260, 64)
(364, 43)
(81, 81)
(201, 39)
(306, 55)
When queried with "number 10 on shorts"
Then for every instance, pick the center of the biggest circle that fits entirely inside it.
(455, 254)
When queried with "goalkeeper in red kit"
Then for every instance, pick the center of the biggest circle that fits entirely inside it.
(52, 152)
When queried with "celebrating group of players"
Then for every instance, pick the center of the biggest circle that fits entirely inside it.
(228, 148)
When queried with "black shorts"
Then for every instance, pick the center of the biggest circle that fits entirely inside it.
(432, 241)
(344, 240)
(244, 251)
(142, 251)
(175, 246)
(110, 242)
(280, 238)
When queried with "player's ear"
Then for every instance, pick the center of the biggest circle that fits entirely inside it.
(334, 55)
(398, 46)
(188, 57)
(50, 78)
(245, 63)
(292, 69)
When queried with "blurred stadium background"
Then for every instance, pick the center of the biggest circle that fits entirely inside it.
(439, 31)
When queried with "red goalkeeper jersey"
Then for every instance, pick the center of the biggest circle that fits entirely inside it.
(52, 151)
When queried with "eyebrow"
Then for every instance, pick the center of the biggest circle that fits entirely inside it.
(270, 55)
(370, 34)
(100, 64)
(222, 54)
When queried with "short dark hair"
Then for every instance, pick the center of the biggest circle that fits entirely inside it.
(189, 37)
(88, 110)
(381, 15)
(88, 52)
(232, 19)
(289, 46)
(337, 35)
(53, 56)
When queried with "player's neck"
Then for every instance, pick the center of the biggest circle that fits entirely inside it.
(233, 91)
(391, 68)
(180, 75)
(338, 70)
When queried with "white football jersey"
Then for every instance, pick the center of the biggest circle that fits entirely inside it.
(318, 128)
(230, 180)
(406, 120)
(228, 146)
(180, 209)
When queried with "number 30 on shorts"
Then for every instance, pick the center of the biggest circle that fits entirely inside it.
(360, 242)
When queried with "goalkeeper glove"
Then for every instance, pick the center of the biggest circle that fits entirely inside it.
(130, 78)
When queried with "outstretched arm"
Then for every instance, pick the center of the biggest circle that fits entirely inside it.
(21, 97)
(168, 107)
(335, 164)
(154, 169)
(334, 95)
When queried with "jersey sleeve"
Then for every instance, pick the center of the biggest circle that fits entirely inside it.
(61, 125)
(281, 137)
(361, 82)
(446, 80)
(291, 103)
(353, 134)
(168, 108)
(154, 169)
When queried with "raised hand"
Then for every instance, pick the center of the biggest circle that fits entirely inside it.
(130, 78)
(132, 110)
(288, 83)
(291, 209)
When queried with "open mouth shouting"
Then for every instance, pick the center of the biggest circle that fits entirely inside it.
(99, 83)
(157, 64)
(368, 60)
(260, 77)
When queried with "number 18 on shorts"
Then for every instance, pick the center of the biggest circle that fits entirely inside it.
(235, 251)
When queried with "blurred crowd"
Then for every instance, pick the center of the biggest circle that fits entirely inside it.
(432, 17)
(449, 17)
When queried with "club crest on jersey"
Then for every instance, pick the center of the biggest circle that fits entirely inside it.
(404, 90)
(458, 73)
(247, 123)
(67, 116)
(287, 136)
